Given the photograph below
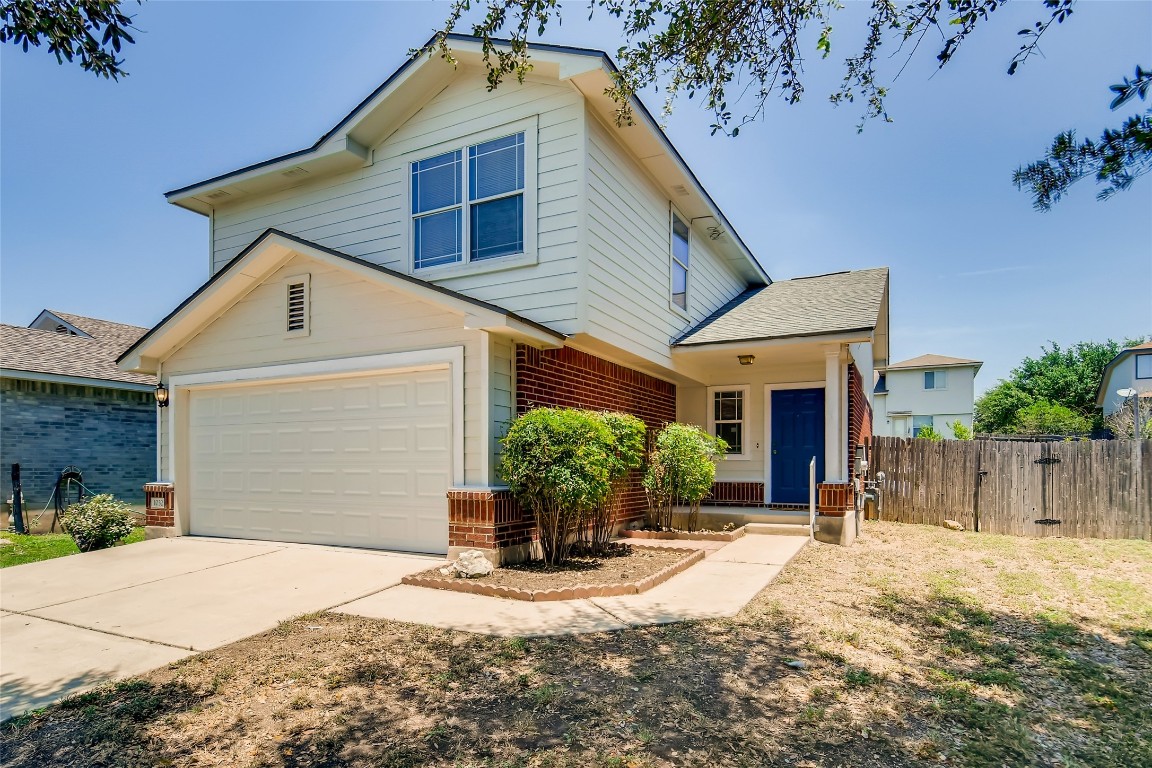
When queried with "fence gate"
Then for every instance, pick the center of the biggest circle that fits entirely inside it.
(1085, 489)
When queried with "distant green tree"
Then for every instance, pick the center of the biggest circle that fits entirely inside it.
(1118, 158)
(70, 28)
(1047, 418)
(996, 409)
(1069, 377)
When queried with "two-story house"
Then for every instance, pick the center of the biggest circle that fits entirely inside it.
(382, 304)
(927, 391)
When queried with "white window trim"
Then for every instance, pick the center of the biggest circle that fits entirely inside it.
(307, 329)
(1136, 366)
(935, 374)
(711, 405)
(529, 256)
(673, 213)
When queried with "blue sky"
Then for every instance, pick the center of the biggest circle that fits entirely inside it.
(975, 271)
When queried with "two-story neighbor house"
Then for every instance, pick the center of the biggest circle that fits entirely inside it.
(926, 391)
(1130, 369)
(382, 303)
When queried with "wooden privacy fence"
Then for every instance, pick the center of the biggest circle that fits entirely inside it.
(1084, 489)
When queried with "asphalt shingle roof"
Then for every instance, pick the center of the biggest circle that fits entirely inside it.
(62, 354)
(933, 361)
(803, 306)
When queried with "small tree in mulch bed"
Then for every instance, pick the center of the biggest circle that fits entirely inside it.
(562, 463)
(681, 470)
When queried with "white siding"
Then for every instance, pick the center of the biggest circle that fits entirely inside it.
(1123, 376)
(906, 393)
(362, 213)
(350, 317)
(628, 248)
(502, 404)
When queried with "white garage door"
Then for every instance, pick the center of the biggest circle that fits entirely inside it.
(360, 461)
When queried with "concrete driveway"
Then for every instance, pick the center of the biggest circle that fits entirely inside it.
(74, 622)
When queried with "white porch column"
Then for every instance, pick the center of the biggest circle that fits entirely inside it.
(835, 440)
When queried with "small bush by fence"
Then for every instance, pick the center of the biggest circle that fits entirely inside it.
(1082, 489)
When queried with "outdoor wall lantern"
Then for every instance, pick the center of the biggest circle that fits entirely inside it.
(746, 359)
(161, 395)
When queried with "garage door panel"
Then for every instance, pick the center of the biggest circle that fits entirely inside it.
(363, 461)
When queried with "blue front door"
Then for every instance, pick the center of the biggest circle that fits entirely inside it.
(797, 436)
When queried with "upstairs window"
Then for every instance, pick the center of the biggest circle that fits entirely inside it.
(1144, 366)
(468, 205)
(680, 242)
(935, 380)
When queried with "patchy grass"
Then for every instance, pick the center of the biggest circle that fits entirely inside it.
(922, 647)
(34, 547)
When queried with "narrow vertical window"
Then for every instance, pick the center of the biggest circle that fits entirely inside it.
(436, 210)
(496, 196)
(680, 247)
(296, 309)
(728, 418)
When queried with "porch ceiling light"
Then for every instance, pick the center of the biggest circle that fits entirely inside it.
(161, 395)
(746, 359)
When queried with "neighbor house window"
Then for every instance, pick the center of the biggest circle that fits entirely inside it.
(729, 417)
(919, 423)
(468, 205)
(935, 380)
(680, 240)
(1144, 366)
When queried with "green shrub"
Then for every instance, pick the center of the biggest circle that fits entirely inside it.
(959, 431)
(929, 433)
(562, 463)
(99, 522)
(628, 434)
(1044, 417)
(681, 470)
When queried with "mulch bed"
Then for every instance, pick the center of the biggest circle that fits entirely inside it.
(642, 533)
(626, 570)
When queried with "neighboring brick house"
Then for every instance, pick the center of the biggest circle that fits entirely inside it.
(381, 304)
(63, 402)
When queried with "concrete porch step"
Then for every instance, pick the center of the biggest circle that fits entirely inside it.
(779, 529)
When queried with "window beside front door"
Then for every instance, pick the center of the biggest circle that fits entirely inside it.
(728, 418)
(468, 204)
(919, 423)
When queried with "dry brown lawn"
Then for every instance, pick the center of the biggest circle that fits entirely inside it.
(920, 647)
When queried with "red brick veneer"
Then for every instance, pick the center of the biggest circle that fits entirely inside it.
(835, 499)
(568, 378)
(487, 519)
(733, 494)
(859, 415)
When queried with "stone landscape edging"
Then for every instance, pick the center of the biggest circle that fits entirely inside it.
(727, 536)
(474, 587)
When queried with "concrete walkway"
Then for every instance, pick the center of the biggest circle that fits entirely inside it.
(729, 577)
(74, 622)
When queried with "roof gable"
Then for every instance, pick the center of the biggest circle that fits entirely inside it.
(348, 144)
(268, 253)
(1106, 374)
(934, 361)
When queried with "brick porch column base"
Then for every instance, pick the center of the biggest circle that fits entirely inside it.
(491, 521)
(835, 499)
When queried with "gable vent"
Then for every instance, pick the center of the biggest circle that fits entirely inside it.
(292, 173)
(296, 306)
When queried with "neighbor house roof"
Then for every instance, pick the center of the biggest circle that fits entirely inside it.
(63, 356)
(1106, 375)
(838, 303)
(933, 361)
